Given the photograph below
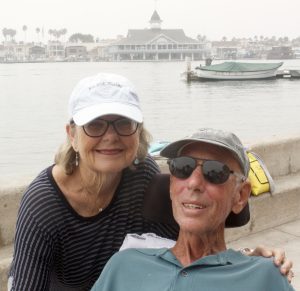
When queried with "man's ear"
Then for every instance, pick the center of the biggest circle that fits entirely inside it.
(171, 185)
(242, 196)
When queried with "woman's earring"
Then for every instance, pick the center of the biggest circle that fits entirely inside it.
(77, 159)
(136, 161)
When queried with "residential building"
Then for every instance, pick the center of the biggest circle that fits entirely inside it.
(37, 53)
(76, 53)
(296, 52)
(56, 51)
(281, 53)
(14, 52)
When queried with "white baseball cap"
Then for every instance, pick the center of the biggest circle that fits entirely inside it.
(104, 94)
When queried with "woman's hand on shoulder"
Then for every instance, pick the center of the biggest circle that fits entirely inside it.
(280, 259)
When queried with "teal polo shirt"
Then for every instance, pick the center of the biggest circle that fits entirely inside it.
(159, 270)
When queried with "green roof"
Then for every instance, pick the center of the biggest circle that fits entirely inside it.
(241, 67)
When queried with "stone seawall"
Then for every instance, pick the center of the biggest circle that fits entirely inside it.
(282, 158)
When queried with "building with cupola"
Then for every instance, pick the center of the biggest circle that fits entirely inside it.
(156, 44)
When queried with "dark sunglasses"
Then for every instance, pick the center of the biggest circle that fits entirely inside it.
(122, 126)
(214, 172)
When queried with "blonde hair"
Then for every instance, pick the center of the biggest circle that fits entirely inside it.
(66, 155)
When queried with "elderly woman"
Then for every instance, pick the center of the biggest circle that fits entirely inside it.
(74, 216)
(209, 174)
(76, 213)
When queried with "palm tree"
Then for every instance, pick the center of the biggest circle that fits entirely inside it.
(286, 39)
(266, 40)
(12, 33)
(5, 33)
(261, 38)
(63, 32)
(56, 34)
(50, 31)
(24, 28)
(79, 37)
(37, 30)
(9, 32)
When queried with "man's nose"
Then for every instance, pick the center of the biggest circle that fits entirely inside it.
(196, 180)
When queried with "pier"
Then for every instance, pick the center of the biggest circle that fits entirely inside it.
(288, 74)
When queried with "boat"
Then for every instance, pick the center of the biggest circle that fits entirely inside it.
(234, 71)
(156, 147)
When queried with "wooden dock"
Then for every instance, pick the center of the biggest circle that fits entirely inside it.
(288, 74)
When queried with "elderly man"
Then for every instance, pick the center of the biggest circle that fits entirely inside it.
(208, 181)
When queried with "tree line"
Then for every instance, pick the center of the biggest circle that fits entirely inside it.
(9, 34)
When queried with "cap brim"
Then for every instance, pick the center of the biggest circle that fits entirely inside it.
(172, 150)
(86, 115)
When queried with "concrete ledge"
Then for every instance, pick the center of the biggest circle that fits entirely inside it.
(9, 205)
(281, 156)
(268, 210)
(4, 267)
(5, 261)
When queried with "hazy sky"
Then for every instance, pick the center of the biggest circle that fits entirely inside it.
(107, 19)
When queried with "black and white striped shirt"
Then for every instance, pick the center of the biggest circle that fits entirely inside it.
(57, 249)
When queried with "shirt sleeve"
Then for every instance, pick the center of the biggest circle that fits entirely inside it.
(32, 258)
(110, 277)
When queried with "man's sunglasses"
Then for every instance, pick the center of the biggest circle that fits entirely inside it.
(214, 172)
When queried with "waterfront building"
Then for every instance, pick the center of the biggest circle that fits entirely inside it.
(100, 51)
(97, 51)
(296, 51)
(2, 53)
(281, 53)
(155, 43)
(238, 48)
(37, 53)
(56, 51)
(14, 52)
(89, 51)
(76, 53)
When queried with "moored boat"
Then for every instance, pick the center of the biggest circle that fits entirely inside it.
(236, 71)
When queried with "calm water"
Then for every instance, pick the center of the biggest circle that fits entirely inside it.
(34, 97)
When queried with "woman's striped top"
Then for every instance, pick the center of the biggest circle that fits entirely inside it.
(57, 249)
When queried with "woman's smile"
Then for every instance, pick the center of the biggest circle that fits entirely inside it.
(109, 152)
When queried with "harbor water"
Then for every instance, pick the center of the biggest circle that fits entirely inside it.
(34, 99)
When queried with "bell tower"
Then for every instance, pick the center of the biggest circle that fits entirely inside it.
(155, 21)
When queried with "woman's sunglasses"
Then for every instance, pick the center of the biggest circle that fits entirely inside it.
(214, 172)
(122, 126)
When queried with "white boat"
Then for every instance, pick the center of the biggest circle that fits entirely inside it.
(235, 71)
